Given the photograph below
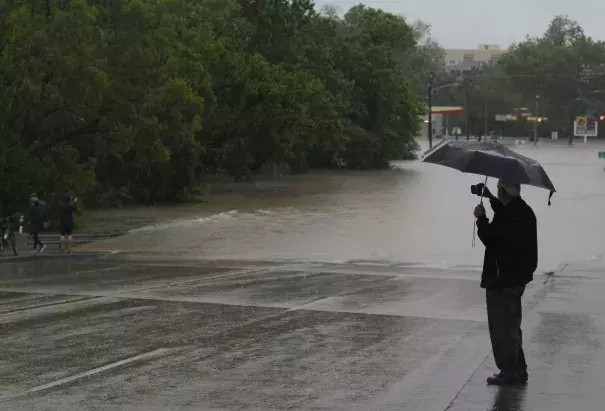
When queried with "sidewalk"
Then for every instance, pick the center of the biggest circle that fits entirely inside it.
(565, 348)
(52, 248)
(160, 334)
(48, 254)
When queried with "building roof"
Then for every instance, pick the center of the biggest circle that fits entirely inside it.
(446, 110)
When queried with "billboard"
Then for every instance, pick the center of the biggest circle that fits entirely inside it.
(586, 127)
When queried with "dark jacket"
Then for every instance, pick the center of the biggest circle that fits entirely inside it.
(37, 214)
(511, 245)
(67, 208)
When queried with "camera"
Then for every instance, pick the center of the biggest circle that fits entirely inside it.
(477, 189)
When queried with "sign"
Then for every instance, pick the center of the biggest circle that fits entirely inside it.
(502, 117)
(601, 154)
(586, 127)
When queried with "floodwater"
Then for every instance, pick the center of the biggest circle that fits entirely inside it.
(415, 213)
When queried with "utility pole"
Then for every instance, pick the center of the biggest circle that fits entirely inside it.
(430, 125)
(485, 118)
(468, 102)
(537, 120)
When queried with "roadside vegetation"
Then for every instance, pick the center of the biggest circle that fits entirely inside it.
(139, 101)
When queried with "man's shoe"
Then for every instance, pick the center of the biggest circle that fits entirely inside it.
(523, 377)
(503, 379)
(42, 248)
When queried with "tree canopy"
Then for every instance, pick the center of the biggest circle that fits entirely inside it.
(563, 71)
(135, 101)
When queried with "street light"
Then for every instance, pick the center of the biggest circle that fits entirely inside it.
(432, 90)
(430, 125)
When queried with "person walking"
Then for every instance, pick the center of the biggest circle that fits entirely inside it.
(511, 258)
(37, 219)
(67, 209)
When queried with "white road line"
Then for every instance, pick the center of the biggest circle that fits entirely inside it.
(96, 270)
(67, 380)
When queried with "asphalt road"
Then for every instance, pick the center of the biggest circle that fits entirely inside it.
(119, 334)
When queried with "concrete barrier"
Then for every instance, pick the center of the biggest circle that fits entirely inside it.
(21, 242)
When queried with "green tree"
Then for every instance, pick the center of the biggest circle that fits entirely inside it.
(50, 94)
(137, 100)
(383, 113)
(562, 67)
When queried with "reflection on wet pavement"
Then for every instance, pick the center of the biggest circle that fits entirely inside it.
(564, 347)
(509, 399)
(209, 335)
(231, 337)
(415, 213)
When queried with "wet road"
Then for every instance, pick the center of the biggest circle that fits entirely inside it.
(116, 334)
(254, 309)
(415, 213)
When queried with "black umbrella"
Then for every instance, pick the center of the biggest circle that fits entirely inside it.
(490, 159)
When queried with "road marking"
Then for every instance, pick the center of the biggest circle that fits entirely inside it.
(98, 270)
(52, 304)
(94, 371)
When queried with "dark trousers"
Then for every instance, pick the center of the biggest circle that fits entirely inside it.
(36, 236)
(504, 314)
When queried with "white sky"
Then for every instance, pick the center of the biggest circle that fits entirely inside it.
(467, 23)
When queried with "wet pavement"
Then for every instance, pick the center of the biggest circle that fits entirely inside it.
(362, 294)
(115, 332)
(564, 342)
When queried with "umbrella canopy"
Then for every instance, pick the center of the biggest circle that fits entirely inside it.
(490, 159)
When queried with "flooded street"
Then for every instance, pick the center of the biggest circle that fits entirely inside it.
(195, 315)
(415, 213)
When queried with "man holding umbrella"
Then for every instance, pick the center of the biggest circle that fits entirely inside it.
(511, 257)
(510, 239)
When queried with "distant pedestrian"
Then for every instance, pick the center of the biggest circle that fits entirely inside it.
(37, 218)
(511, 257)
(67, 209)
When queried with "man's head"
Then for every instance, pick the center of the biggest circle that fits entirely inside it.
(508, 191)
(33, 198)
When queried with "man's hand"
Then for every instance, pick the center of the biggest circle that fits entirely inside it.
(479, 211)
(486, 192)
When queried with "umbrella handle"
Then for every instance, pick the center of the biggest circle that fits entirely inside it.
(474, 222)
(484, 185)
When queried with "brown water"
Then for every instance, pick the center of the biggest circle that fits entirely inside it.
(415, 213)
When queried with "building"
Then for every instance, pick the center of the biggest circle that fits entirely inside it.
(441, 116)
(465, 60)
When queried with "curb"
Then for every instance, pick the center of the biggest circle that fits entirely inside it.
(51, 256)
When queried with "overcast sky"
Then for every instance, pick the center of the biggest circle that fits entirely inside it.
(467, 23)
